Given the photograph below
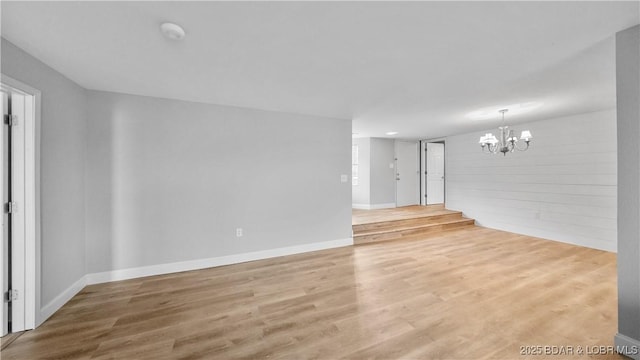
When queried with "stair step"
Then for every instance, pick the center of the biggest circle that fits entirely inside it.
(408, 222)
(397, 233)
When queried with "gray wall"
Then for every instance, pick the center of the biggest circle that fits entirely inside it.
(628, 94)
(62, 166)
(360, 195)
(158, 181)
(171, 181)
(563, 188)
(376, 186)
(383, 179)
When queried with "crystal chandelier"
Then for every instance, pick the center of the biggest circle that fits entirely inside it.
(507, 142)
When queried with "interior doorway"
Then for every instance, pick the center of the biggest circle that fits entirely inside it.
(434, 174)
(20, 107)
(433, 179)
(407, 173)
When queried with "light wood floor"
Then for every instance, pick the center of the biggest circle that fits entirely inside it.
(8, 339)
(360, 216)
(468, 294)
(370, 226)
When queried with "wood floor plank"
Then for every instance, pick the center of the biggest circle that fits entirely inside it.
(468, 293)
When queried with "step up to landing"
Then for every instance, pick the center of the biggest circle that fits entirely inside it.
(396, 224)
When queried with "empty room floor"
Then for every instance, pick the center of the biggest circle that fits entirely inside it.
(464, 294)
(360, 216)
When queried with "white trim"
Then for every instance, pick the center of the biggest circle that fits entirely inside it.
(423, 168)
(362, 206)
(383, 206)
(627, 346)
(31, 208)
(32, 213)
(55, 304)
(440, 139)
(18, 239)
(424, 180)
(131, 273)
(373, 206)
(30, 218)
(4, 309)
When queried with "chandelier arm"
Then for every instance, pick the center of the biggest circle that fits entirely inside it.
(524, 148)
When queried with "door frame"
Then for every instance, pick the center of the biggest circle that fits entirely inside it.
(395, 156)
(31, 206)
(423, 168)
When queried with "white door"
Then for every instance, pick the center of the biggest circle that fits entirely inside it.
(435, 173)
(407, 174)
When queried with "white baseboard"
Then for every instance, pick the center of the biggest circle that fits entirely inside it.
(383, 206)
(373, 206)
(55, 304)
(131, 273)
(552, 236)
(627, 346)
(360, 206)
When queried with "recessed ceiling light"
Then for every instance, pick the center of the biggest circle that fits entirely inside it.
(172, 31)
(392, 133)
(494, 111)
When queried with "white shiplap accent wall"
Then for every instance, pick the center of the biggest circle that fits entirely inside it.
(563, 188)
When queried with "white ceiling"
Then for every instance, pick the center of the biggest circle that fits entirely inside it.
(412, 67)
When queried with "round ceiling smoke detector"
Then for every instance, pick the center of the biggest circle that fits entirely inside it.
(172, 31)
